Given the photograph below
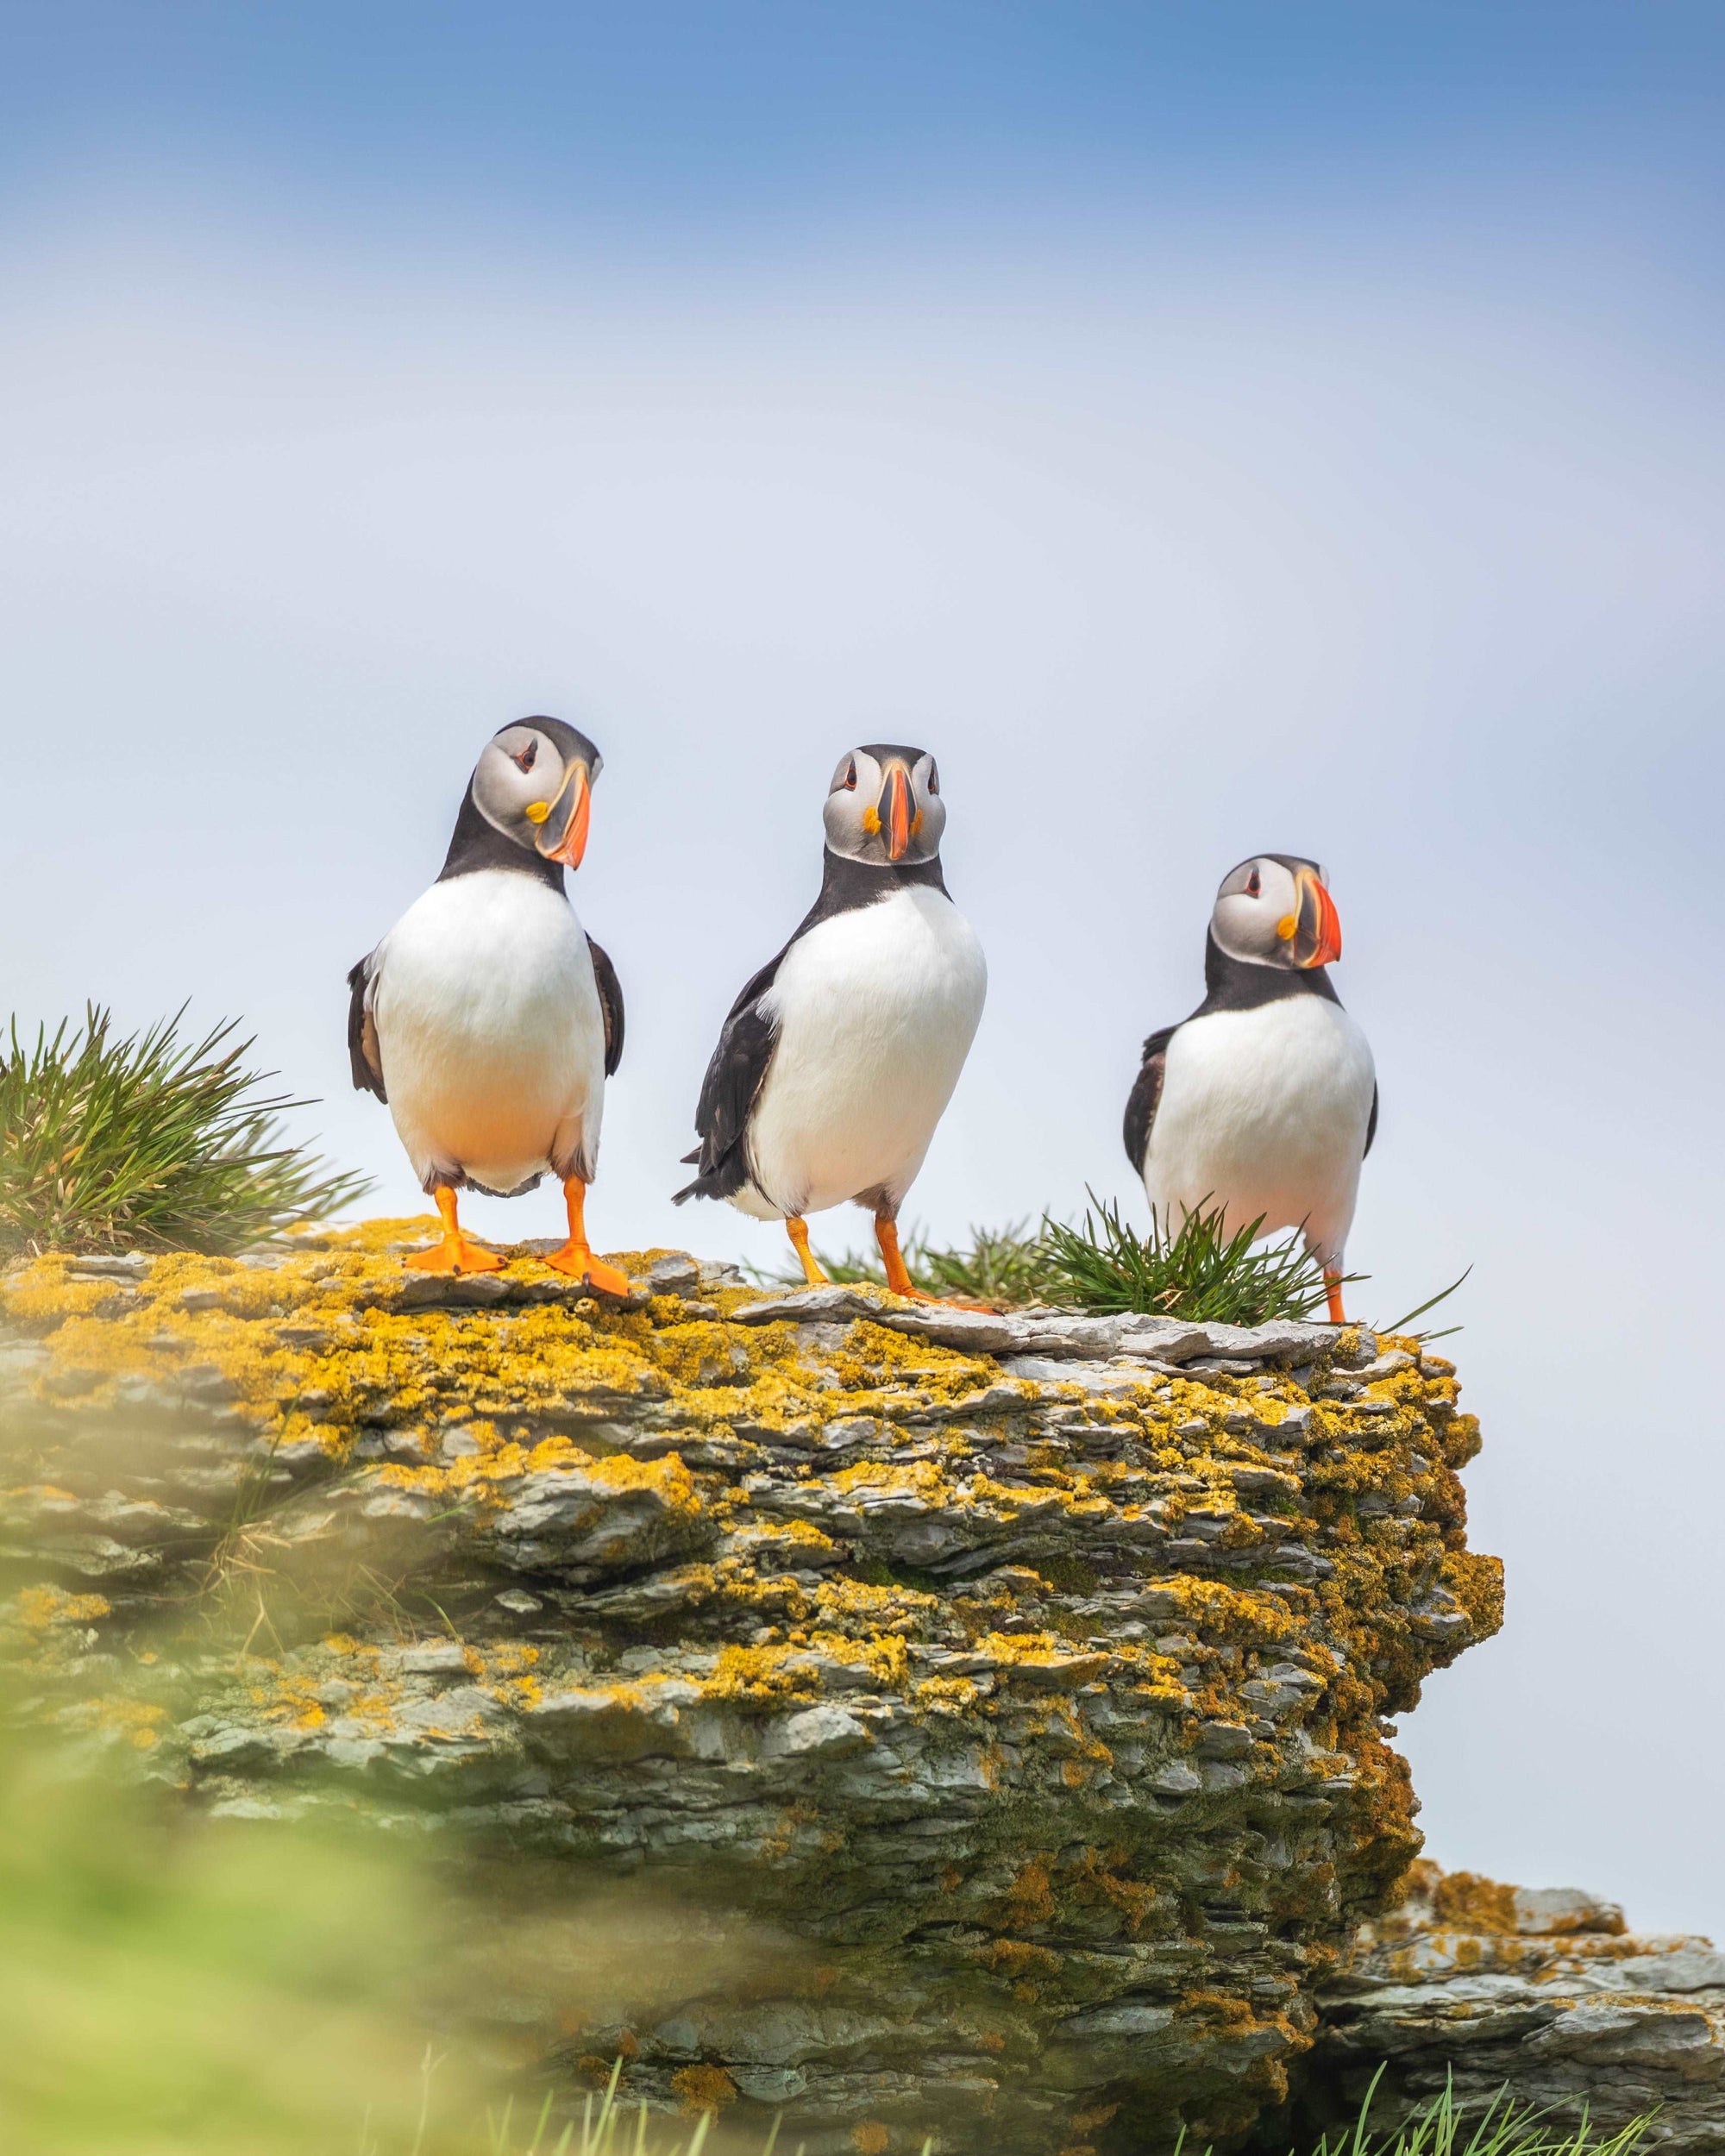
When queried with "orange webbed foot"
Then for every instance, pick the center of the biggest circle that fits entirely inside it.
(912, 1293)
(455, 1253)
(576, 1260)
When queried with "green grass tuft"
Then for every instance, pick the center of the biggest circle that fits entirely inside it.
(611, 2126)
(1006, 1265)
(1504, 2128)
(148, 1142)
(1199, 1270)
(1003, 1265)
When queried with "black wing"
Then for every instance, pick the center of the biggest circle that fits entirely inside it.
(362, 1038)
(1145, 1093)
(610, 1002)
(1372, 1120)
(734, 1077)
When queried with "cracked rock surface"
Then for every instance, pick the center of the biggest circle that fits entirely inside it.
(1022, 1675)
(1545, 1994)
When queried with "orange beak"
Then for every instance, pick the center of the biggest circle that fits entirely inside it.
(895, 812)
(1318, 940)
(573, 845)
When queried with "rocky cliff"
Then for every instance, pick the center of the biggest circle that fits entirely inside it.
(1020, 1679)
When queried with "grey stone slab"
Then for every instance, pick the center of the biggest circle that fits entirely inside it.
(1168, 1342)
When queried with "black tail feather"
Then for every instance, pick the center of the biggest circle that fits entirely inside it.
(726, 1175)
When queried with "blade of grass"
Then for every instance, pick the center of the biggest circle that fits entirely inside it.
(1430, 1303)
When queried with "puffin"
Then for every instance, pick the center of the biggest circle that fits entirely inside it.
(1264, 1103)
(838, 1057)
(487, 1019)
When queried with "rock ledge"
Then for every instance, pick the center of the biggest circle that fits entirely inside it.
(1544, 1993)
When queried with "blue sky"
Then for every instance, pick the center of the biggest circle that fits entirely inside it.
(1209, 427)
(772, 118)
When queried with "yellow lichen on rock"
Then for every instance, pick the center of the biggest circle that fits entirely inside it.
(1042, 1705)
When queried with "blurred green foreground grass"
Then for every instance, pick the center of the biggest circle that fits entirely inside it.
(173, 1986)
(178, 1985)
(177, 1988)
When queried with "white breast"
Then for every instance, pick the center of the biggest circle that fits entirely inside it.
(876, 1009)
(1265, 1112)
(491, 1032)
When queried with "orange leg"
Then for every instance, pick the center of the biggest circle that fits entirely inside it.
(1333, 1283)
(797, 1228)
(893, 1258)
(454, 1254)
(898, 1276)
(576, 1257)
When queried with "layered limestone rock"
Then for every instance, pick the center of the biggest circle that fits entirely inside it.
(1544, 1995)
(1018, 1680)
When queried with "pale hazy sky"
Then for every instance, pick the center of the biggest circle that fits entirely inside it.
(1204, 437)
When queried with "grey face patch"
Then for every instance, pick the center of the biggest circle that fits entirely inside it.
(1253, 903)
(523, 774)
(857, 806)
(521, 769)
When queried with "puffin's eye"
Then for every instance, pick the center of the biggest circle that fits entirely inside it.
(850, 779)
(934, 779)
(527, 758)
(1254, 885)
